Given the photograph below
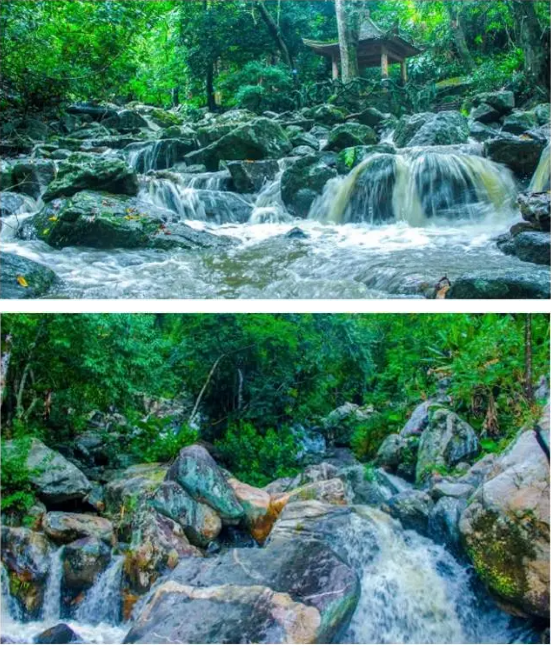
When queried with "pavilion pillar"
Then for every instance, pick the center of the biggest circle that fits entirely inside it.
(335, 67)
(384, 62)
(404, 70)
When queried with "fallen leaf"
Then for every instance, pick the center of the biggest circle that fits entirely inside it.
(22, 282)
(53, 219)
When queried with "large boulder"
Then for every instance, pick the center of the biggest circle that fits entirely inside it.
(505, 528)
(412, 508)
(339, 425)
(26, 557)
(446, 441)
(65, 527)
(303, 182)
(132, 487)
(327, 115)
(519, 122)
(82, 561)
(22, 278)
(92, 173)
(15, 203)
(349, 135)
(260, 513)
(349, 158)
(503, 101)
(158, 544)
(533, 247)
(126, 121)
(535, 208)
(389, 454)
(32, 176)
(249, 176)
(259, 140)
(429, 129)
(485, 114)
(291, 591)
(332, 491)
(197, 472)
(520, 154)
(498, 284)
(60, 634)
(105, 221)
(199, 521)
(53, 476)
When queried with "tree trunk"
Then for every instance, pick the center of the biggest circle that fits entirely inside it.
(454, 12)
(530, 35)
(211, 100)
(275, 33)
(528, 380)
(348, 22)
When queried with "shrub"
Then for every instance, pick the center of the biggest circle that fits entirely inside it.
(260, 87)
(156, 441)
(16, 489)
(369, 434)
(258, 458)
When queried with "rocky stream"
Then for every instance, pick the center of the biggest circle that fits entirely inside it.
(103, 201)
(434, 543)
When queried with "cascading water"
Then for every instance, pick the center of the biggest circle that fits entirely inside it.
(97, 619)
(51, 611)
(103, 601)
(416, 186)
(393, 227)
(414, 591)
(542, 180)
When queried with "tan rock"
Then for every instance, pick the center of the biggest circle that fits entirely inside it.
(260, 514)
(65, 527)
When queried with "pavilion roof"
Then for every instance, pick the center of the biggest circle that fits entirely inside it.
(372, 39)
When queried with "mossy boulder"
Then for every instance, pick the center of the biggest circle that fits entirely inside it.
(499, 284)
(505, 528)
(82, 561)
(350, 134)
(353, 156)
(327, 115)
(197, 472)
(26, 557)
(430, 129)
(32, 176)
(303, 182)
(520, 154)
(22, 278)
(446, 441)
(96, 173)
(259, 140)
(106, 221)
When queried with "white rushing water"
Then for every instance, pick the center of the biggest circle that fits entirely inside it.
(98, 618)
(51, 611)
(393, 227)
(414, 591)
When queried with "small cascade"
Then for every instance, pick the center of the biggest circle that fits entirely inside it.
(269, 206)
(217, 181)
(149, 156)
(205, 205)
(542, 180)
(414, 591)
(51, 611)
(416, 186)
(10, 611)
(102, 603)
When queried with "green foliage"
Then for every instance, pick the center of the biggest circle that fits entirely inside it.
(369, 434)
(157, 442)
(259, 458)
(16, 493)
(260, 87)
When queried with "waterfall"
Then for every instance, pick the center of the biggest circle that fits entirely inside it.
(268, 206)
(541, 180)
(51, 611)
(102, 603)
(415, 186)
(10, 611)
(156, 155)
(207, 205)
(414, 591)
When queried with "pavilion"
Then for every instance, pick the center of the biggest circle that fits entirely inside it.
(375, 47)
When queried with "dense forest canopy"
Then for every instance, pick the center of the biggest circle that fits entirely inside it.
(246, 381)
(241, 52)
